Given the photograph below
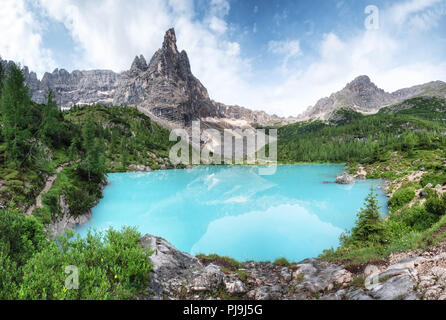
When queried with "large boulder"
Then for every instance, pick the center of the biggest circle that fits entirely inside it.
(345, 178)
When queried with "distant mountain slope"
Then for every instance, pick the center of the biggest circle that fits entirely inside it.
(351, 136)
(364, 96)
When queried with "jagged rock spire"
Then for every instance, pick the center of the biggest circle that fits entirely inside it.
(139, 64)
(170, 41)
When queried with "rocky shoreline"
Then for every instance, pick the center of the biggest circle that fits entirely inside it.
(66, 220)
(404, 276)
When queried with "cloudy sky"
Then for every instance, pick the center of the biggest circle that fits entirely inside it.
(277, 55)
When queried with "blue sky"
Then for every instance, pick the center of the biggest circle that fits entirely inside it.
(277, 55)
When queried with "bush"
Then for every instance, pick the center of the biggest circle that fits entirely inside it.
(20, 237)
(110, 266)
(416, 218)
(401, 197)
(433, 178)
(436, 205)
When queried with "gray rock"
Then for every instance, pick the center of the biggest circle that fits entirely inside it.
(345, 178)
(286, 274)
(235, 287)
(357, 294)
(166, 259)
(172, 269)
(396, 288)
(260, 293)
(320, 276)
(208, 279)
(140, 168)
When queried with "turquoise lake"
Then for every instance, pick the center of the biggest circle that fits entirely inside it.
(234, 211)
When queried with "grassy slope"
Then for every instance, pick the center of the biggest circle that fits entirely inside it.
(146, 143)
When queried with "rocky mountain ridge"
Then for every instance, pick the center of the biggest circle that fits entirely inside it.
(364, 96)
(165, 89)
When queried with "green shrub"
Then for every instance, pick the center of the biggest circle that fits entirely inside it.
(20, 237)
(282, 262)
(401, 197)
(433, 178)
(395, 229)
(436, 205)
(416, 218)
(110, 266)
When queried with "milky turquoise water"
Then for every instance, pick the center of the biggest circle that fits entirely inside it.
(233, 211)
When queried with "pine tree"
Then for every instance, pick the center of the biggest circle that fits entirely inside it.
(88, 144)
(72, 150)
(88, 135)
(368, 228)
(2, 77)
(15, 109)
(51, 130)
(124, 153)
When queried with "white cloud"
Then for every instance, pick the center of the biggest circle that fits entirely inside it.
(20, 38)
(288, 48)
(390, 56)
(401, 12)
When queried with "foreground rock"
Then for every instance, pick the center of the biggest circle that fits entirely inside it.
(140, 168)
(178, 275)
(345, 178)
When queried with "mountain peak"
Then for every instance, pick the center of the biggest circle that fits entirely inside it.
(362, 78)
(170, 40)
(361, 82)
(139, 64)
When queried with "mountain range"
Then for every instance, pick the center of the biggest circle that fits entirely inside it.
(166, 90)
(364, 96)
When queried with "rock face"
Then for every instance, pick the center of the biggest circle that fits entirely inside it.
(345, 178)
(66, 221)
(364, 96)
(166, 86)
(77, 87)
